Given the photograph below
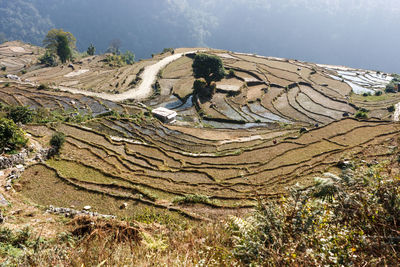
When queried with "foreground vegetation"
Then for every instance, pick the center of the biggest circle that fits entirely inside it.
(351, 219)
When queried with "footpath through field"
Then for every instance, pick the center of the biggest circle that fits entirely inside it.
(145, 88)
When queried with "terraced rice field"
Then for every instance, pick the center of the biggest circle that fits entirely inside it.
(266, 89)
(152, 164)
(251, 148)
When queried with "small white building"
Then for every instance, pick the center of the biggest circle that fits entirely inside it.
(164, 114)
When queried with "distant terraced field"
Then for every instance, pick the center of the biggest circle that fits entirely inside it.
(242, 145)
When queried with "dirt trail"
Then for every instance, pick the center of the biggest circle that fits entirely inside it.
(145, 88)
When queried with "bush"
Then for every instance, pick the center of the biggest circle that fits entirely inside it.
(11, 136)
(378, 93)
(361, 114)
(166, 50)
(391, 108)
(43, 87)
(193, 199)
(340, 221)
(49, 59)
(57, 141)
(231, 73)
(20, 114)
(3, 68)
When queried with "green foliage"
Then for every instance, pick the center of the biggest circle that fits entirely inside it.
(49, 59)
(61, 43)
(19, 114)
(209, 67)
(361, 114)
(91, 50)
(192, 199)
(120, 60)
(394, 84)
(63, 49)
(231, 73)
(391, 108)
(341, 221)
(378, 93)
(51, 41)
(202, 89)
(11, 136)
(168, 50)
(3, 68)
(57, 141)
(128, 57)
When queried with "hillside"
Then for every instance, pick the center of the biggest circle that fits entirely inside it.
(272, 125)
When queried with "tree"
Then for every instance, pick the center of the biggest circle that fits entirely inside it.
(20, 114)
(208, 67)
(63, 49)
(59, 42)
(91, 50)
(11, 136)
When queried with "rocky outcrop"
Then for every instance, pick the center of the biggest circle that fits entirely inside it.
(9, 161)
(72, 212)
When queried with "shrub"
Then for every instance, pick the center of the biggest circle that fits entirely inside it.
(192, 199)
(49, 59)
(57, 141)
(11, 136)
(3, 68)
(231, 73)
(378, 93)
(166, 50)
(43, 87)
(391, 108)
(361, 114)
(20, 114)
(340, 221)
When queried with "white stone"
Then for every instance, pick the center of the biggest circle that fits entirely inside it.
(87, 207)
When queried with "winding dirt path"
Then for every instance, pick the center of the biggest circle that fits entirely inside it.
(145, 88)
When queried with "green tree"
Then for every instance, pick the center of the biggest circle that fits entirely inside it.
(63, 49)
(20, 114)
(91, 50)
(208, 67)
(11, 136)
(59, 42)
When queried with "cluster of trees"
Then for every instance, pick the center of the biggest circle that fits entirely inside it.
(207, 70)
(61, 45)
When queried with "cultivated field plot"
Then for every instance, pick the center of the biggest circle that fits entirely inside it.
(17, 94)
(266, 89)
(154, 164)
(17, 56)
(250, 140)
